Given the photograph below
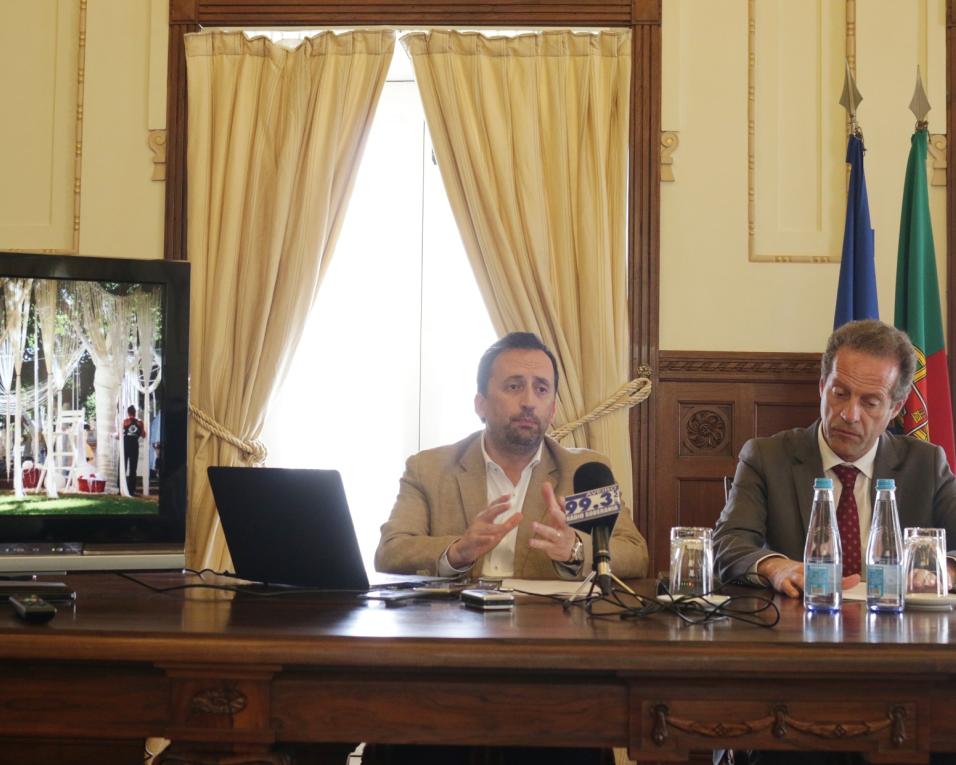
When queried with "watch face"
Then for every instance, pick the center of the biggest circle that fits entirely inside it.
(577, 552)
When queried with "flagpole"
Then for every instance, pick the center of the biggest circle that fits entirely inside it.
(856, 296)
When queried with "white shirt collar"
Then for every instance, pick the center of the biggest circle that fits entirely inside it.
(830, 458)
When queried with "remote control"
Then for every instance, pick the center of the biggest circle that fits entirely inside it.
(33, 608)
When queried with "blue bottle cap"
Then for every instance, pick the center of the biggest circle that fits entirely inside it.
(822, 483)
(885, 483)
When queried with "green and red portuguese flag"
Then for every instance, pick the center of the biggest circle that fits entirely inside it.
(927, 413)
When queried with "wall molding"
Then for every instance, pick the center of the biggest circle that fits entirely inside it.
(727, 366)
(74, 247)
(670, 140)
(78, 151)
(157, 144)
(938, 150)
(850, 51)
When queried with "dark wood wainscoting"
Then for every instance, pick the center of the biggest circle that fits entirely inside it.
(707, 404)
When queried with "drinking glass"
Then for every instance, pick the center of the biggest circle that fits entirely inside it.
(692, 560)
(924, 561)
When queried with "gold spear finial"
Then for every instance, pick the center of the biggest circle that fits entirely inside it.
(851, 99)
(920, 103)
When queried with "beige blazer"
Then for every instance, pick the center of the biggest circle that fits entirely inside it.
(443, 490)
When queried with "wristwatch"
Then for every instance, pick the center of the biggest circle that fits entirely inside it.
(577, 552)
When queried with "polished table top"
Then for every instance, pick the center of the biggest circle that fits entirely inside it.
(202, 667)
(115, 618)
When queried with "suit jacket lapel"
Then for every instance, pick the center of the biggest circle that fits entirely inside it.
(533, 508)
(888, 462)
(807, 465)
(472, 482)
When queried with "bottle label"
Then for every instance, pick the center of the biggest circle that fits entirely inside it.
(882, 579)
(819, 578)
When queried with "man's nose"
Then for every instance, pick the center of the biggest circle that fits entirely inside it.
(851, 412)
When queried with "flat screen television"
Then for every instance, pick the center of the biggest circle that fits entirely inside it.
(93, 408)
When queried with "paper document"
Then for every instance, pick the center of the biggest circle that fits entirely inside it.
(856, 592)
(561, 587)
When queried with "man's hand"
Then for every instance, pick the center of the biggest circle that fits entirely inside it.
(786, 575)
(554, 537)
(483, 534)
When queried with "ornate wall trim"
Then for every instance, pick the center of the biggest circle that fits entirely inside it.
(78, 155)
(938, 150)
(850, 37)
(724, 366)
(670, 140)
(157, 144)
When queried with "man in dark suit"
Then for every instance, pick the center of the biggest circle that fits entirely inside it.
(866, 373)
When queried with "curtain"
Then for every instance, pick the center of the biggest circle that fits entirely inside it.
(530, 135)
(275, 136)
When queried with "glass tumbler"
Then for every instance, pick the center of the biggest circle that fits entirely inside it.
(924, 561)
(692, 560)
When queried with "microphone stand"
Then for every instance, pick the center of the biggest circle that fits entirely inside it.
(601, 576)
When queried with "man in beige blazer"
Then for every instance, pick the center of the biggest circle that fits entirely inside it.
(490, 504)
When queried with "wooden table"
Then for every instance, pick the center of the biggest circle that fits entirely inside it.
(216, 672)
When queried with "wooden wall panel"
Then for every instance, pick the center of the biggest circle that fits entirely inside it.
(706, 406)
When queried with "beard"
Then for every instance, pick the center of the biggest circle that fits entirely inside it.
(522, 437)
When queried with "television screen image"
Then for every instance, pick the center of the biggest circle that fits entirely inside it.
(93, 398)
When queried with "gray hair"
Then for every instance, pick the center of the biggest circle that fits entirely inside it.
(874, 338)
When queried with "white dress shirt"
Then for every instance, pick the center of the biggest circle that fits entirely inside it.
(500, 562)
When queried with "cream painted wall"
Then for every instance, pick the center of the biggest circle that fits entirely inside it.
(79, 179)
(713, 297)
(122, 208)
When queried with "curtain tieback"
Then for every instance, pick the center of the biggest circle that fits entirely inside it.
(252, 450)
(628, 395)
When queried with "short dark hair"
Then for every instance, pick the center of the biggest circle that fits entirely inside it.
(525, 341)
(875, 338)
(131, 410)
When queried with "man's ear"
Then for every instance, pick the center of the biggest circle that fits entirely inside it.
(480, 406)
(897, 408)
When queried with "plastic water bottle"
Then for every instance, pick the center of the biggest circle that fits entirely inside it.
(823, 555)
(884, 552)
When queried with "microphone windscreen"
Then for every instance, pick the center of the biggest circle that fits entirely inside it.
(592, 475)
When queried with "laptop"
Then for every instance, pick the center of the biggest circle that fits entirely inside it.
(289, 527)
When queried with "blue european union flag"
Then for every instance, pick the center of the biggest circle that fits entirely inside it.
(856, 293)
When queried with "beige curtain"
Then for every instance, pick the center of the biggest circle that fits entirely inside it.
(274, 141)
(530, 134)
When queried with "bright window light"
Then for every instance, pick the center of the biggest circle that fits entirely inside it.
(387, 363)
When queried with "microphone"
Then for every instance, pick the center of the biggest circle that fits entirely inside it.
(593, 508)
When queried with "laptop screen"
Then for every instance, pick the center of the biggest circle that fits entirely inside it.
(289, 526)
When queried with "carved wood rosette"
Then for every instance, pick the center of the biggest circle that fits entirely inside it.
(215, 706)
(706, 430)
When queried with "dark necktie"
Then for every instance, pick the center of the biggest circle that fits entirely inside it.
(848, 519)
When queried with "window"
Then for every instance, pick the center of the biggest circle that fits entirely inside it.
(387, 364)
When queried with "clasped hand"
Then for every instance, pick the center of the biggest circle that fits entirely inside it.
(786, 575)
(555, 538)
